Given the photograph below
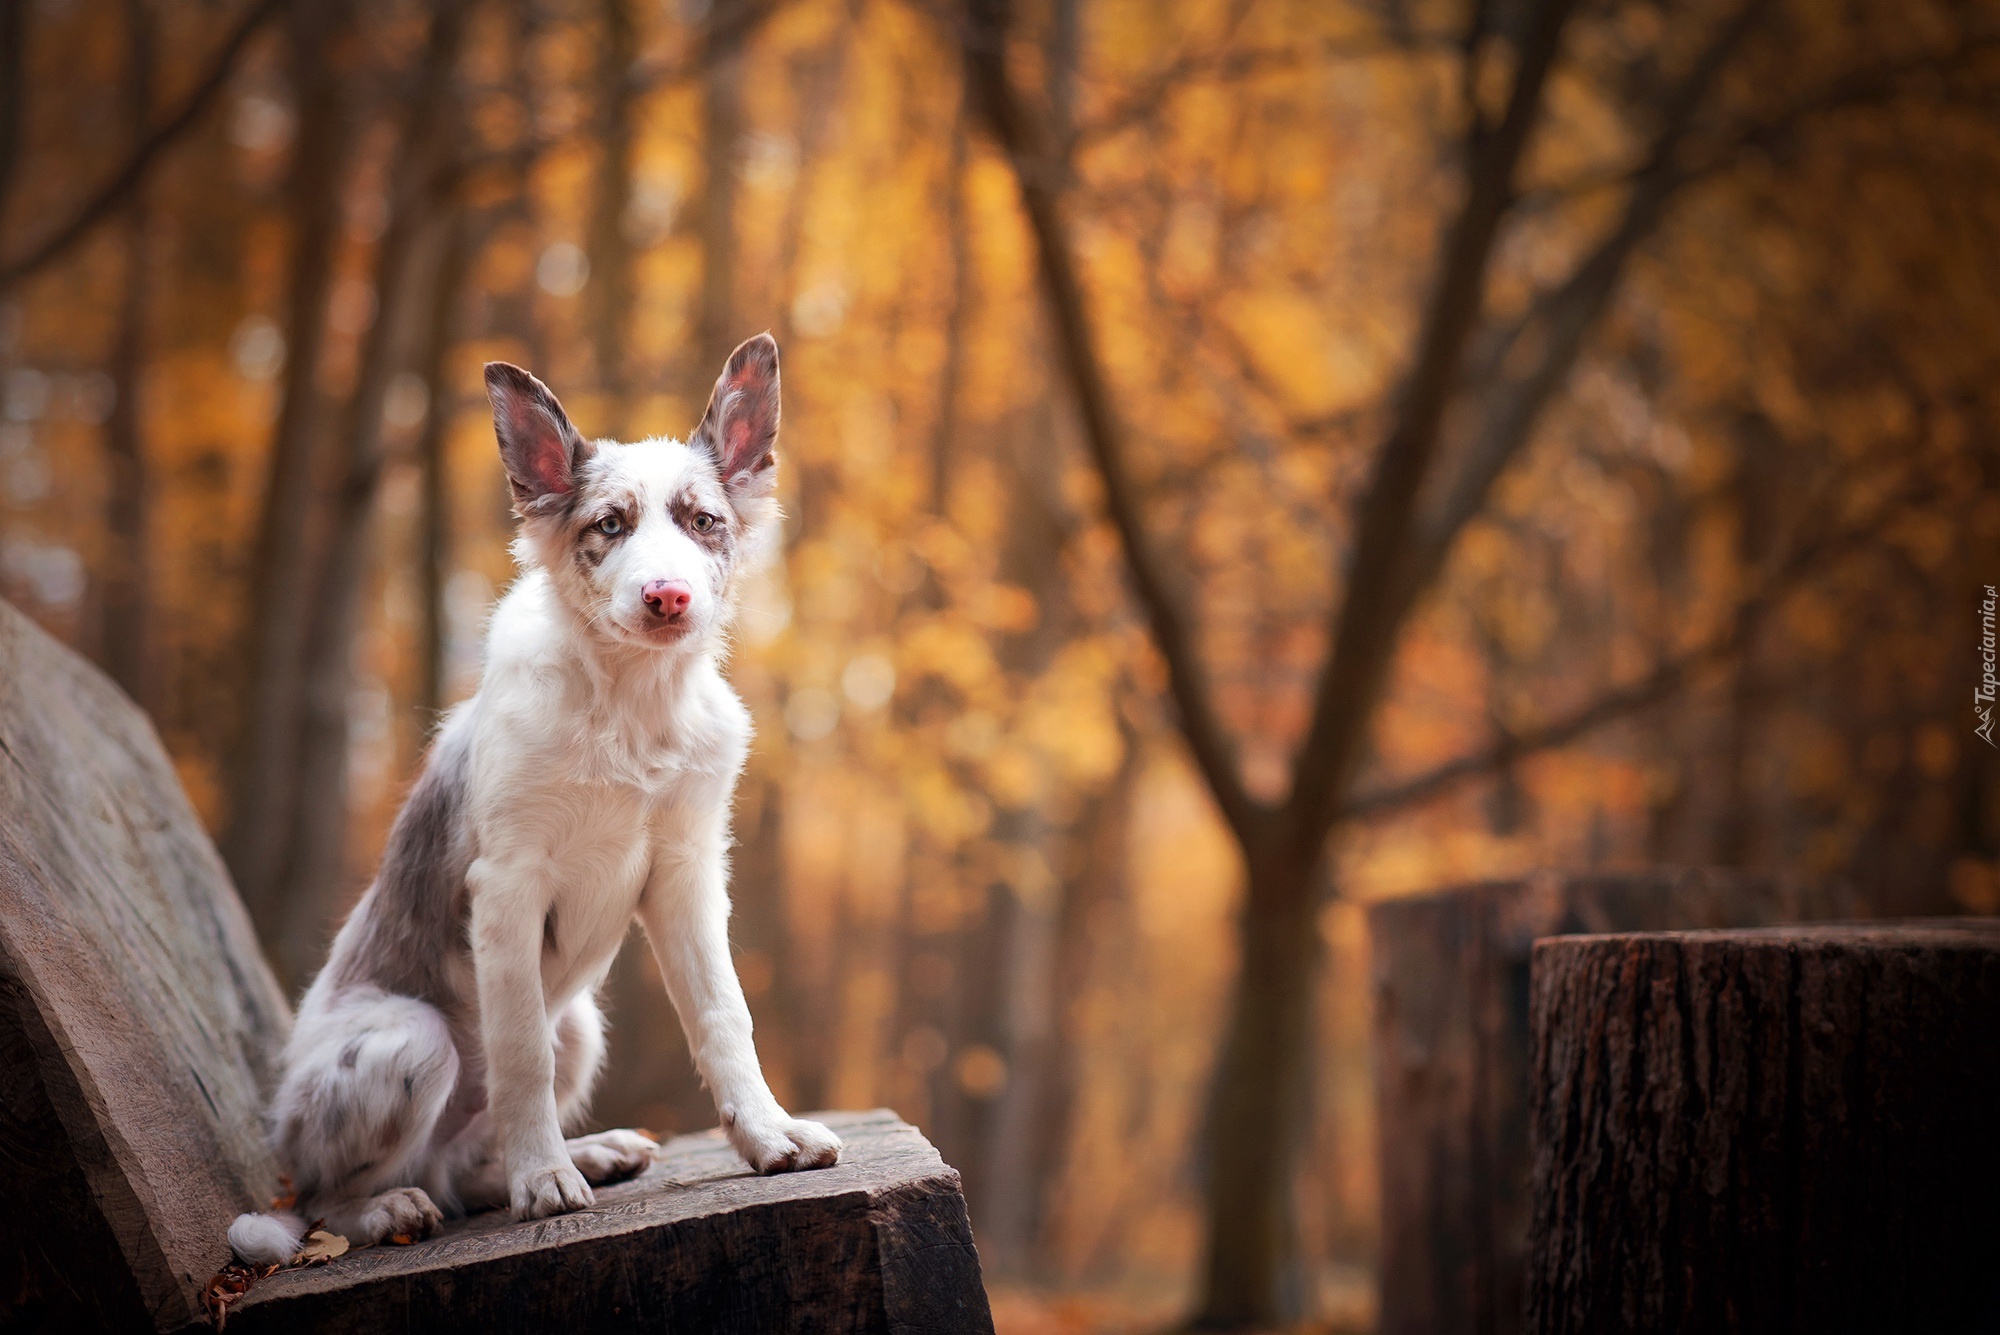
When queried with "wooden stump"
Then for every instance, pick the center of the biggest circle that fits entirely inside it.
(1450, 977)
(1792, 1130)
(877, 1243)
(139, 1027)
(139, 1032)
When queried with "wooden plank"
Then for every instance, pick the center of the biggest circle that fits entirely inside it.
(880, 1242)
(140, 1023)
(1450, 981)
(1781, 1131)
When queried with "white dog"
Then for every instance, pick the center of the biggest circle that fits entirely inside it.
(454, 1032)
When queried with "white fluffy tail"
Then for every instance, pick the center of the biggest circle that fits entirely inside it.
(266, 1239)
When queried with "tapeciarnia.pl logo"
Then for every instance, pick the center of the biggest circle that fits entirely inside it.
(1983, 693)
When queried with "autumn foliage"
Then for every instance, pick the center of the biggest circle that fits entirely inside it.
(1334, 448)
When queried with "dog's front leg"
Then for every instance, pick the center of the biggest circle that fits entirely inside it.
(685, 909)
(509, 900)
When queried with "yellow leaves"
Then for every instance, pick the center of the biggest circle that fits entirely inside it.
(1005, 608)
(1317, 366)
(953, 650)
(943, 810)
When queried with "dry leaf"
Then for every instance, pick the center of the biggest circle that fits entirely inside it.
(322, 1246)
(399, 1239)
(228, 1286)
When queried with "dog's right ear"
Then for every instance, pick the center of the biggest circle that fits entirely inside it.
(539, 448)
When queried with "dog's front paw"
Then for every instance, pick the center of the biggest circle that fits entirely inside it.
(610, 1156)
(782, 1144)
(555, 1189)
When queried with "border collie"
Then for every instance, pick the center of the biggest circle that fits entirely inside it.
(454, 1035)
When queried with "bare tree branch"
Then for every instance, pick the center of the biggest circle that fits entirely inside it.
(1857, 88)
(1663, 681)
(1378, 593)
(105, 200)
(1572, 310)
(992, 92)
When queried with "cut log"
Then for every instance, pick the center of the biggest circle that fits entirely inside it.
(139, 1033)
(139, 1026)
(1450, 975)
(1778, 1131)
(879, 1242)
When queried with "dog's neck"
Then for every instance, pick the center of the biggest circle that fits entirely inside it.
(622, 677)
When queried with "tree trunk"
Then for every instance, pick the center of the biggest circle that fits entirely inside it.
(1251, 1271)
(1771, 1131)
(610, 292)
(408, 271)
(124, 607)
(722, 127)
(1096, 885)
(13, 92)
(1450, 986)
(283, 566)
(434, 462)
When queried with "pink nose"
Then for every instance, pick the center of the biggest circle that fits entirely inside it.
(667, 597)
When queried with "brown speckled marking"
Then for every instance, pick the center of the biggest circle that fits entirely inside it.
(588, 546)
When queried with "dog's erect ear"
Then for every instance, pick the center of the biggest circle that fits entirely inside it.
(740, 429)
(538, 446)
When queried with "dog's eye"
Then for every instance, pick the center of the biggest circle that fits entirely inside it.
(703, 522)
(610, 526)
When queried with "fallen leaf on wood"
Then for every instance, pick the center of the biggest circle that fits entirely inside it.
(399, 1239)
(228, 1286)
(322, 1246)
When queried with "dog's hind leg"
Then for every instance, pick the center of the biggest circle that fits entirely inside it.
(368, 1077)
(608, 1156)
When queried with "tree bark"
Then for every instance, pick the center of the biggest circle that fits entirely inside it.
(13, 93)
(124, 607)
(408, 272)
(284, 563)
(139, 1027)
(1450, 987)
(722, 128)
(1251, 1271)
(434, 462)
(1777, 1131)
(1094, 886)
(610, 292)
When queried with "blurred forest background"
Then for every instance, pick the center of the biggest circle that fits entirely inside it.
(1244, 458)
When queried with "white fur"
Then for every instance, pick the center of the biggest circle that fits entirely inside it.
(596, 766)
(266, 1239)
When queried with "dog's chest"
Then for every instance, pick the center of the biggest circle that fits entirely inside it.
(606, 857)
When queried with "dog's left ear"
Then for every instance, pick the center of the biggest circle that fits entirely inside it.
(740, 429)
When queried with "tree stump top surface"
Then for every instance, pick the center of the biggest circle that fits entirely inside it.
(698, 1241)
(1981, 934)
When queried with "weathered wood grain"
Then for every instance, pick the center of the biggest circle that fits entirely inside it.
(880, 1242)
(1450, 975)
(138, 1022)
(1781, 1131)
